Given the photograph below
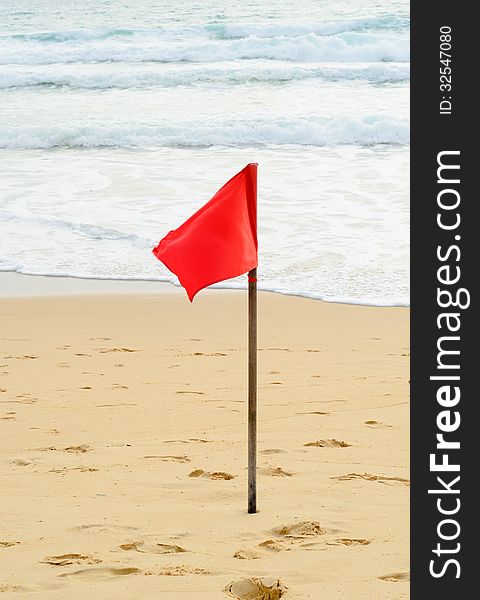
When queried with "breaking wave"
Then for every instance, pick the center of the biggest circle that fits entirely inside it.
(345, 46)
(123, 76)
(368, 130)
(221, 31)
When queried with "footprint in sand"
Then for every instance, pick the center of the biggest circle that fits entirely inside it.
(300, 530)
(104, 572)
(50, 449)
(8, 544)
(105, 350)
(50, 430)
(395, 577)
(20, 462)
(311, 546)
(189, 441)
(248, 554)
(115, 405)
(157, 548)
(9, 588)
(179, 459)
(2, 390)
(77, 449)
(331, 443)
(261, 550)
(275, 472)
(180, 570)
(370, 477)
(275, 349)
(349, 542)
(273, 451)
(189, 392)
(95, 528)
(290, 536)
(217, 475)
(65, 470)
(22, 399)
(373, 423)
(271, 546)
(256, 588)
(71, 559)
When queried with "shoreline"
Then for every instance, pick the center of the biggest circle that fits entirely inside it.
(22, 285)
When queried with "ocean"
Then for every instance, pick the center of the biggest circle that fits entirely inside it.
(119, 118)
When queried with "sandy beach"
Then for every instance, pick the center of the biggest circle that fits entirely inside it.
(123, 454)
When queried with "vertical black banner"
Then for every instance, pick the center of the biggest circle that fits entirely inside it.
(444, 258)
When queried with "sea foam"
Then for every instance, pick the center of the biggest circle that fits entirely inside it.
(126, 76)
(369, 130)
(348, 46)
(218, 30)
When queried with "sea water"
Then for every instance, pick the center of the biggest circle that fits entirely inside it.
(119, 118)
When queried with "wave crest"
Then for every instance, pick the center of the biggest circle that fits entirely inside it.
(369, 130)
(350, 46)
(122, 76)
(218, 30)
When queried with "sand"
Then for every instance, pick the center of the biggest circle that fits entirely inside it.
(123, 454)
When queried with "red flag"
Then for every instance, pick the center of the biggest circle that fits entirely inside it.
(219, 241)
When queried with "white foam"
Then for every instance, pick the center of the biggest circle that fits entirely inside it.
(351, 46)
(125, 76)
(268, 30)
(326, 231)
(232, 30)
(369, 130)
(85, 230)
(400, 301)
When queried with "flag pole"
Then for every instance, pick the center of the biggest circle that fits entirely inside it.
(252, 391)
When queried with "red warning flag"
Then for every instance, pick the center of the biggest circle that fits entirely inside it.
(219, 241)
